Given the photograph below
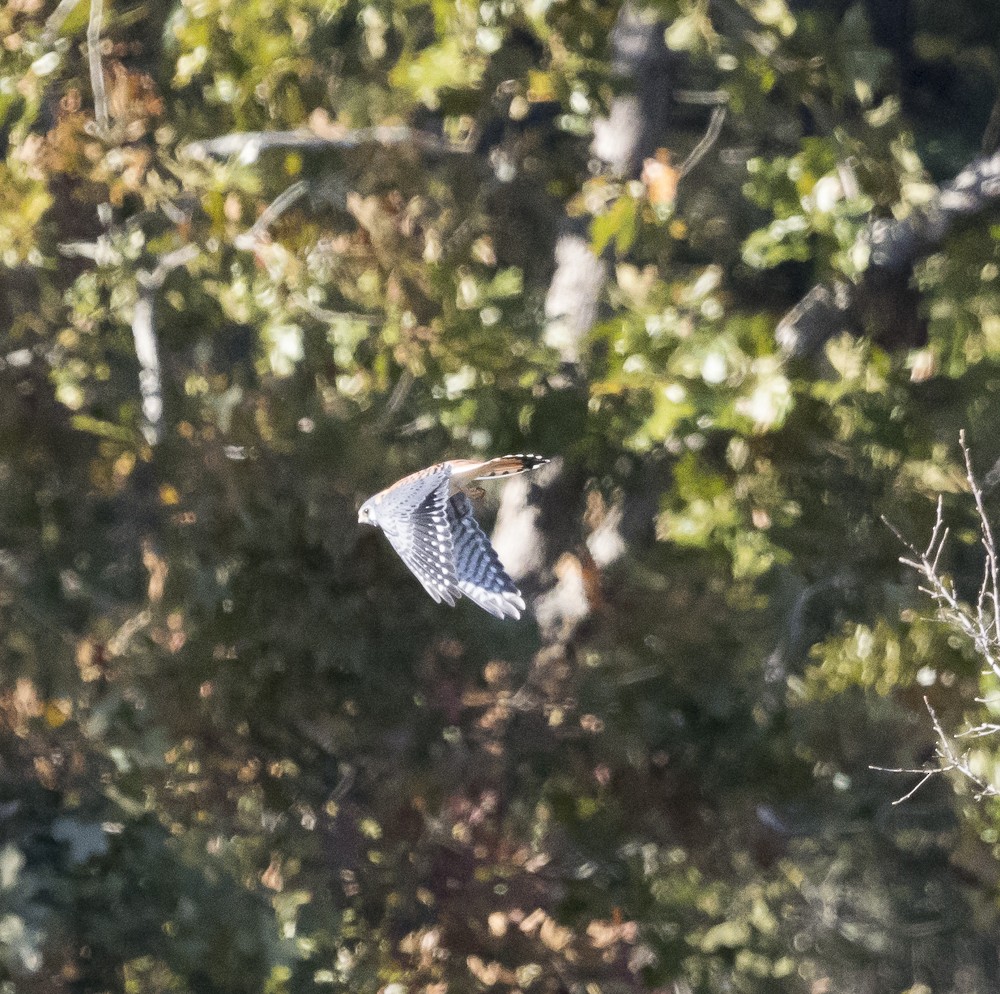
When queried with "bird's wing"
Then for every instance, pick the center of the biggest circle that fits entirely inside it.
(465, 470)
(414, 518)
(481, 576)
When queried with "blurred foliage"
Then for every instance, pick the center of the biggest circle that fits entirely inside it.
(241, 749)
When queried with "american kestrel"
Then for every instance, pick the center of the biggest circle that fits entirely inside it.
(429, 521)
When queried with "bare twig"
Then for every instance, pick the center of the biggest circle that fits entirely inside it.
(989, 590)
(102, 119)
(248, 145)
(147, 349)
(979, 732)
(396, 399)
(279, 205)
(318, 313)
(775, 668)
(270, 214)
(700, 150)
(101, 116)
(920, 783)
(143, 329)
(948, 761)
(980, 624)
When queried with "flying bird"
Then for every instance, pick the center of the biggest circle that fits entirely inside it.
(428, 519)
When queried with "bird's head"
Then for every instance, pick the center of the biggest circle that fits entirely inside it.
(366, 514)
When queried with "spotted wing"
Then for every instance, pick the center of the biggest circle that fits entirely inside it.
(414, 518)
(481, 576)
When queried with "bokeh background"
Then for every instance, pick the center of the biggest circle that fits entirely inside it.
(260, 258)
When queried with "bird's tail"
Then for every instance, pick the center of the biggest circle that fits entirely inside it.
(508, 466)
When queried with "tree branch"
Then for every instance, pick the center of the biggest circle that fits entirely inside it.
(248, 239)
(948, 760)
(537, 524)
(248, 145)
(894, 248)
(703, 147)
(101, 115)
(147, 349)
(980, 624)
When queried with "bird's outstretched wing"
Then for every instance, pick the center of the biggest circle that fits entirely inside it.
(481, 576)
(420, 531)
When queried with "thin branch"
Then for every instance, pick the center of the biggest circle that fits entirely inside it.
(102, 120)
(989, 590)
(248, 145)
(700, 150)
(901, 769)
(399, 394)
(147, 348)
(279, 205)
(920, 783)
(979, 732)
(981, 625)
(344, 785)
(270, 214)
(148, 353)
(775, 668)
(301, 301)
(953, 761)
(982, 630)
(101, 116)
(948, 761)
